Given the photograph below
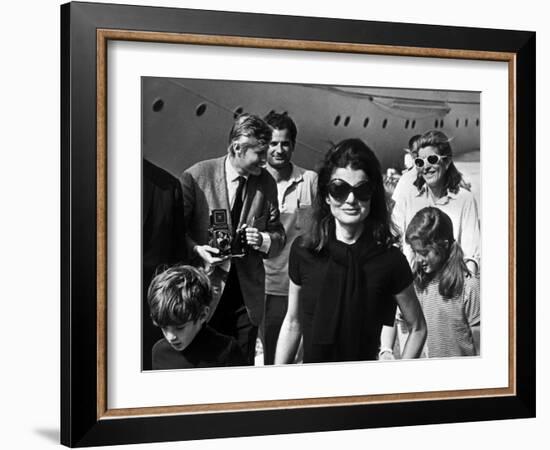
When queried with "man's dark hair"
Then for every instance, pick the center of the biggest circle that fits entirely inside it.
(282, 121)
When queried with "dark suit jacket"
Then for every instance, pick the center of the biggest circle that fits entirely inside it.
(162, 219)
(204, 189)
(163, 238)
(208, 349)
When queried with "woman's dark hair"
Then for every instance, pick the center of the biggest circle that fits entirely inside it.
(356, 154)
(432, 228)
(439, 140)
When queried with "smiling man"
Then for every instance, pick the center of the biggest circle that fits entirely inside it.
(296, 189)
(238, 184)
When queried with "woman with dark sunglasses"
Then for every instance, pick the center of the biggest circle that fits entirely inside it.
(346, 276)
(439, 184)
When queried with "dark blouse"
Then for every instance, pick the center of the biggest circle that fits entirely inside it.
(208, 349)
(385, 274)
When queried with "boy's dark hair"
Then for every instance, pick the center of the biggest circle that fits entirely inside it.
(178, 295)
(282, 122)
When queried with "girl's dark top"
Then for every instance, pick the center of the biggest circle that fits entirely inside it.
(347, 294)
(208, 349)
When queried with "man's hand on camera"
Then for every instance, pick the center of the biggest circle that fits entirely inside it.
(254, 237)
(209, 255)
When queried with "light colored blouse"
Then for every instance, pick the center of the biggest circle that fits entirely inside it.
(460, 207)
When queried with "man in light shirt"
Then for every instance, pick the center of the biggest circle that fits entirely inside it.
(238, 184)
(296, 189)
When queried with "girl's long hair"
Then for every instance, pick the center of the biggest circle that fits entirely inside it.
(356, 154)
(434, 229)
(453, 178)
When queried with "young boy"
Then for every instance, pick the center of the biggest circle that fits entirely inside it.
(179, 302)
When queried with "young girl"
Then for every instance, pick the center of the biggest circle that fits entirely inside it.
(448, 292)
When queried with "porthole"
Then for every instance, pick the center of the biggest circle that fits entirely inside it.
(477, 122)
(436, 123)
(413, 124)
(465, 122)
(366, 122)
(457, 123)
(385, 123)
(336, 121)
(346, 122)
(158, 104)
(407, 123)
(200, 109)
(441, 123)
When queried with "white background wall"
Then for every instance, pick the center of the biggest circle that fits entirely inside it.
(29, 223)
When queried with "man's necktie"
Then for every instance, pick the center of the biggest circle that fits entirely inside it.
(238, 203)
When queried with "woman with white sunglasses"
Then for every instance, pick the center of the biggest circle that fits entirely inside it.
(440, 184)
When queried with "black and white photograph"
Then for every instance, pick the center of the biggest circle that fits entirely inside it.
(287, 223)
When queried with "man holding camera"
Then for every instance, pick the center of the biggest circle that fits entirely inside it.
(236, 183)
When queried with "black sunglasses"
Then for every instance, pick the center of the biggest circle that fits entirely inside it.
(339, 190)
(432, 160)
